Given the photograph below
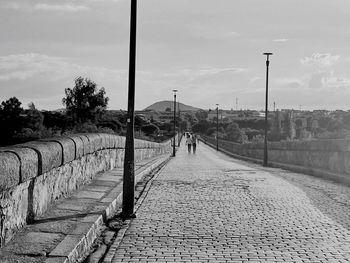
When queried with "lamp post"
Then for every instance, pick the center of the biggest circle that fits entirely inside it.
(217, 127)
(266, 107)
(174, 121)
(179, 124)
(129, 162)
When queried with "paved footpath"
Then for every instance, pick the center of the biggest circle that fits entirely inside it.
(209, 207)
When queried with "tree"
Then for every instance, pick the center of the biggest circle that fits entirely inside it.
(234, 133)
(201, 115)
(34, 118)
(10, 120)
(150, 129)
(168, 109)
(84, 102)
(201, 127)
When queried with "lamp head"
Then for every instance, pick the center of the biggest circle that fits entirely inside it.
(268, 54)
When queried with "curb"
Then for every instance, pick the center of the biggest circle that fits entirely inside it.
(83, 246)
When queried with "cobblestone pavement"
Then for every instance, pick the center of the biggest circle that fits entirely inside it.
(208, 207)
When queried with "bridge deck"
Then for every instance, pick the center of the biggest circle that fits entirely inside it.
(208, 207)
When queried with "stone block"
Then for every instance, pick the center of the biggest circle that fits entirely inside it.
(35, 243)
(50, 154)
(86, 144)
(29, 162)
(122, 142)
(104, 140)
(9, 170)
(56, 260)
(115, 140)
(95, 141)
(79, 146)
(68, 148)
(67, 245)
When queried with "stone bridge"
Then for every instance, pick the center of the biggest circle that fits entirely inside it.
(34, 174)
(58, 195)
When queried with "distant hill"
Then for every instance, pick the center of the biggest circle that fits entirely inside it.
(163, 105)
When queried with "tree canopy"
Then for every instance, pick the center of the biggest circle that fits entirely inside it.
(84, 102)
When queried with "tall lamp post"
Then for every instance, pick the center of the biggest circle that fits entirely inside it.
(217, 127)
(129, 162)
(266, 107)
(174, 121)
(179, 124)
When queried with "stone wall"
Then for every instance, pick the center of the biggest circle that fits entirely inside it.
(324, 158)
(34, 174)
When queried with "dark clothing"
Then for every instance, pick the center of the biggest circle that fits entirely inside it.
(194, 147)
(189, 147)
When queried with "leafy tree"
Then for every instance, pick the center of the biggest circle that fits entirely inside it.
(234, 133)
(168, 109)
(34, 118)
(10, 120)
(201, 115)
(84, 102)
(150, 129)
(201, 127)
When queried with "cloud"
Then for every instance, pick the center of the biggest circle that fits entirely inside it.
(60, 7)
(29, 66)
(40, 6)
(255, 79)
(320, 60)
(281, 40)
(213, 71)
(11, 5)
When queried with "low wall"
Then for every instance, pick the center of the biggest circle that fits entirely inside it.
(34, 174)
(324, 158)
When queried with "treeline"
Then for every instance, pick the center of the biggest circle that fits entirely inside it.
(239, 131)
(85, 111)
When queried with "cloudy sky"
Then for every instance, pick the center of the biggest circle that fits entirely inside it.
(210, 50)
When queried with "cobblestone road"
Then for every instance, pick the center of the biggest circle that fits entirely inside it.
(211, 208)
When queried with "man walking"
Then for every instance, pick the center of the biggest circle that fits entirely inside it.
(194, 142)
(188, 142)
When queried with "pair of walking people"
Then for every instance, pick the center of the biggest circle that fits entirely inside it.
(191, 141)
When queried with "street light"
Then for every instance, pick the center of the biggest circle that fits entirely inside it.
(217, 127)
(266, 107)
(174, 121)
(179, 124)
(129, 162)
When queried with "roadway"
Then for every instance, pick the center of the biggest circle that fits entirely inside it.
(207, 207)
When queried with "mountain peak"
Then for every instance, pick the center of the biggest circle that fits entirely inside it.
(163, 105)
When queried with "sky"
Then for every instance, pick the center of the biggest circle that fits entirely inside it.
(211, 51)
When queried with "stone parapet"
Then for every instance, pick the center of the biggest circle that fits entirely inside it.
(34, 174)
(327, 158)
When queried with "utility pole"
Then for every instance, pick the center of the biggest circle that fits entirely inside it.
(179, 124)
(129, 162)
(266, 107)
(174, 152)
(217, 127)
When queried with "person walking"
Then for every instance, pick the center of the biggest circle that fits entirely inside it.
(194, 142)
(189, 142)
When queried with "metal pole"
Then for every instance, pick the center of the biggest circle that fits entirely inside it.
(129, 162)
(174, 152)
(217, 127)
(266, 108)
(179, 124)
